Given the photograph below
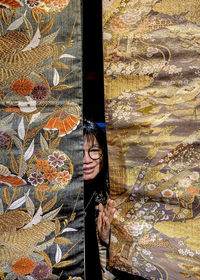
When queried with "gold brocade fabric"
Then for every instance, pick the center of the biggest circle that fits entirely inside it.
(41, 203)
(152, 101)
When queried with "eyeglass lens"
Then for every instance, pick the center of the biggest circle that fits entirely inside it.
(94, 152)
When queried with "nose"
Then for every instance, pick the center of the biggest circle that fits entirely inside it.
(86, 158)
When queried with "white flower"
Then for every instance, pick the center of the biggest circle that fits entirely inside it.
(167, 193)
(180, 243)
(149, 267)
(184, 183)
(146, 252)
(27, 106)
(194, 176)
(182, 252)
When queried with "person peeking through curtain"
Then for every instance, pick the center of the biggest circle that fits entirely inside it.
(99, 208)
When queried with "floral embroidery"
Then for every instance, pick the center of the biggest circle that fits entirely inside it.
(50, 174)
(42, 165)
(28, 106)
(56, 159)
(40, 93)
(23, 267)
(41, 271)
(32, 3)
(53, 170)
(5, 139)
(22, 86)
(63, 177)
(36, 179)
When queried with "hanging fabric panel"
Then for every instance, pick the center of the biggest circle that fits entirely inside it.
(41, 203)
(152, 83)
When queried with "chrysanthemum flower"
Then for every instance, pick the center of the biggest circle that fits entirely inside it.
(23, 267)
(40, 93)
(22, 86)
(41, 271)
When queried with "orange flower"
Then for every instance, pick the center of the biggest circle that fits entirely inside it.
(42, 188)
(22, 86)
(23, 266)
(64, 125)
(63, 177)
(50, 174)
(42, 165)
(192, 190)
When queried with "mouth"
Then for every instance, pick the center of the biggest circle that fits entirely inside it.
(88, 170)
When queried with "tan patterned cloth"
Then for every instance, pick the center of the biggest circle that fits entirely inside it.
(152, 85)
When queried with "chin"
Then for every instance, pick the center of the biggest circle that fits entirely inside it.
(88, 178)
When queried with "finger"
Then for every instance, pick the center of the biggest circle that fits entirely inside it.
(105, 231)
(101, 208)
(109, 209)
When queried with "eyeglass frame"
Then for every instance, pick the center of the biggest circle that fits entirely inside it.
(93, 146)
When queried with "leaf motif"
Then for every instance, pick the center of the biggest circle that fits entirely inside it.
(60, 65)
(28, 26)
(49, 39)
(30, 205)
(17, 23)
(38, 195)
(43, 116)
(34, 42)
(33, 132)
(69, 229)
(6, 120)
(23, 168)
(55, 52)
(57, 227)
(61, 87)
(55, 143)
(63, 264)
(43, 143)
(29, 151)
(47, 26)
(21, 129)
(17, 203)
(56, 77)
(51, 214)
(45, 80)
(1, 207)
(58, 256)
(4, 16)
(17, 142)
(6, 196)
(35, 16)
(45, 245)
(34, 117)
(50, 204)
(13, 164)
(67, 56)
(62, 240)
(47, 259)
(36, 219)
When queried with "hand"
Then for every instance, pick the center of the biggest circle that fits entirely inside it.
(105, 218)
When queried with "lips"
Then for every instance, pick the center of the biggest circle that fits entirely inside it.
(88, 170)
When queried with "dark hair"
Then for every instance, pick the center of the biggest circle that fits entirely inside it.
(90, 130)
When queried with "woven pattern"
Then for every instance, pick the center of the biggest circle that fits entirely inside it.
(151, 64)
(41, 207)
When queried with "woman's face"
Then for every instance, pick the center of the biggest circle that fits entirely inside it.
(91, 167)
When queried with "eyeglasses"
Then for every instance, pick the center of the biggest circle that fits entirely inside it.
(94, 152)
